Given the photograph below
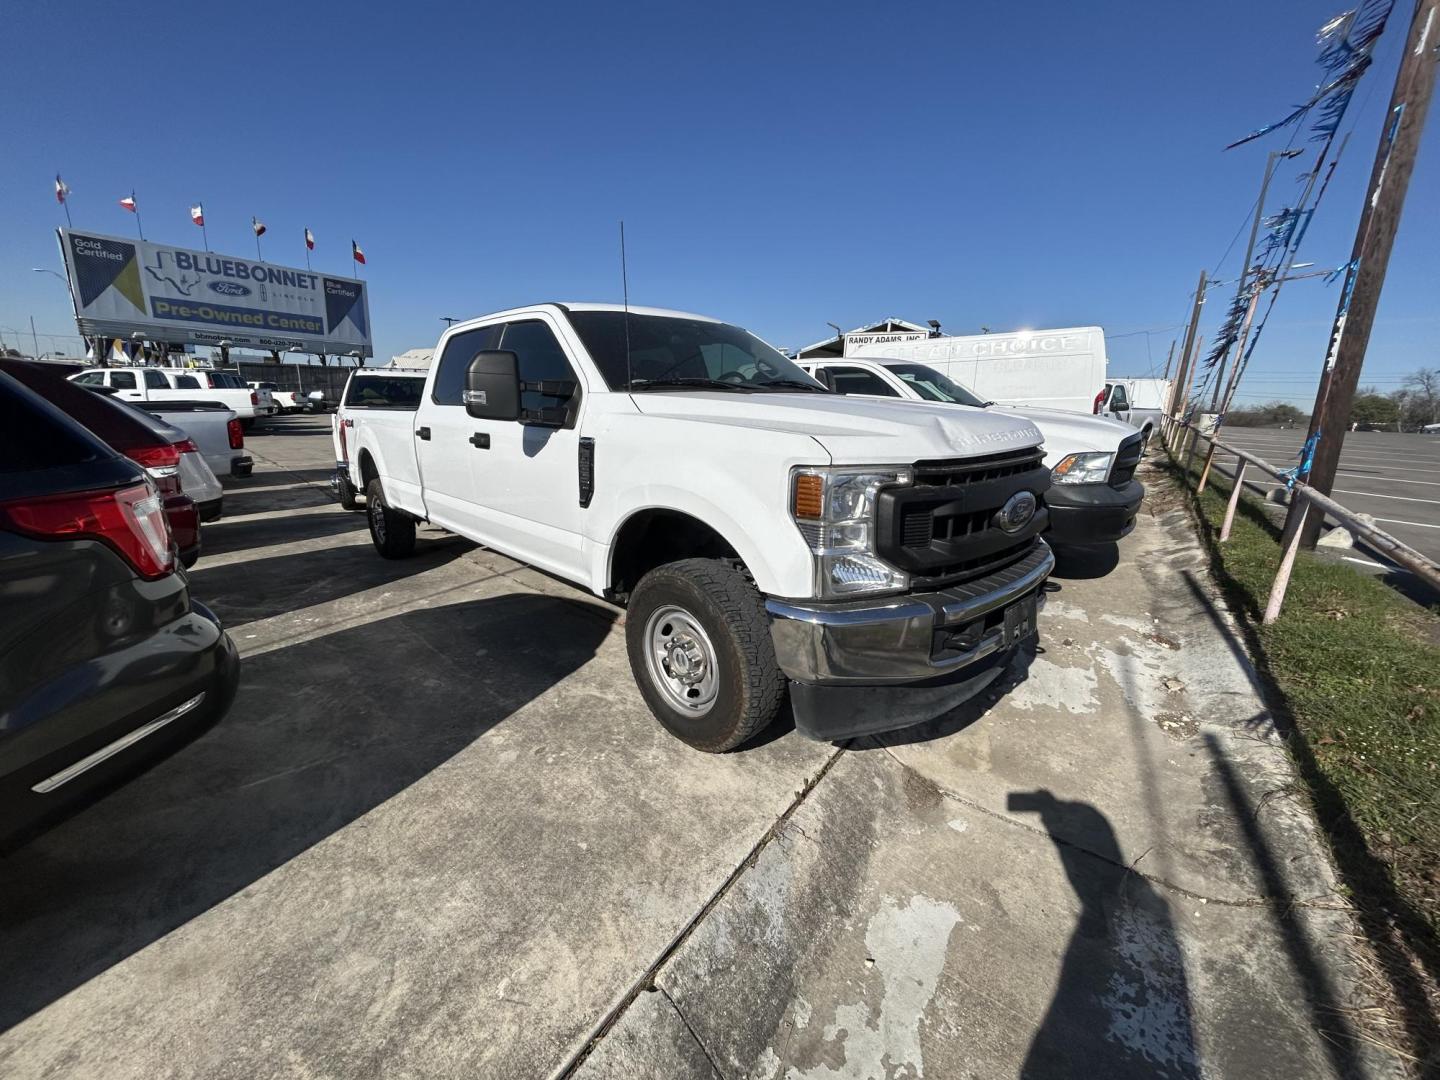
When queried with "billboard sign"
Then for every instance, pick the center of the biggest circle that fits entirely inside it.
(179, 295)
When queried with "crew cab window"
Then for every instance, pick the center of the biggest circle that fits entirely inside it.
(122, 380)
(155, 380)
(384, 392)
(853, 380)
(91, 378)
(186, 382)
(538, 356)
(455, 361)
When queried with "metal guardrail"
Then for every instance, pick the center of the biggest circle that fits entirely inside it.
(1183, 436)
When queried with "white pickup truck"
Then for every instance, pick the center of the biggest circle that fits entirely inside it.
(181, 384)
(376, 394)
(881, 560)
(1091, 459)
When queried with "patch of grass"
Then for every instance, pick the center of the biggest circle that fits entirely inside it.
(1357, 671)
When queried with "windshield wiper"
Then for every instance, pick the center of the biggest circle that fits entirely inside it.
(692, 383)
(795, 384)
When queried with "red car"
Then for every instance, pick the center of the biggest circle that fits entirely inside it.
(148, 442)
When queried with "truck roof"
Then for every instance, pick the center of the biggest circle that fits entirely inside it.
(588, 305)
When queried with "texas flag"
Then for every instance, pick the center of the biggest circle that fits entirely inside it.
(309, 240)
(61, 189)
(258, 226)
(128, 202)
(356, 253)
(197, 214)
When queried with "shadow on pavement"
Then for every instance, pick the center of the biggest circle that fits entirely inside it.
(266, 475)
(220, 537)
(1121, 1006)
(243, 592)
(322, 733)
(1405, 943)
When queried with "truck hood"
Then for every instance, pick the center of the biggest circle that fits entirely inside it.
(1068, 432)
(854, 431)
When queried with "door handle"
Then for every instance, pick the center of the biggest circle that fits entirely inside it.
(423, 433)
(480, 440)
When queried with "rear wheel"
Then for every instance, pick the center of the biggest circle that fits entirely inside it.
(392, 532)
(700, 650)
(346, 490)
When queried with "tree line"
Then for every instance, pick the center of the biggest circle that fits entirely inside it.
(1410, 408)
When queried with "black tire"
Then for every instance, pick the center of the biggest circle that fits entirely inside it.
(748, 685)
(346, 490)
(392, 532)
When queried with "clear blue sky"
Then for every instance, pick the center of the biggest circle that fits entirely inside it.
(778, 165)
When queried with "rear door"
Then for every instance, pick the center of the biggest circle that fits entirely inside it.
(127, 383)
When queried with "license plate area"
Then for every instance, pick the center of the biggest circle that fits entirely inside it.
(1019, 621)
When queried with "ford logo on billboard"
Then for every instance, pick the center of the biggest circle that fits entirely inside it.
(229, 288)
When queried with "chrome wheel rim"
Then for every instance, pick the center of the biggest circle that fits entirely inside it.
(681, 660)
(377, 522)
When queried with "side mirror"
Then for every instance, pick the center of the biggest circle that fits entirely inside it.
(492, 386)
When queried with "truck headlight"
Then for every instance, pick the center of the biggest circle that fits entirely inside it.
(834, 510)
(1082, 469)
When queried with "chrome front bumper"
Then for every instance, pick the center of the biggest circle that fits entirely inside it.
(903, 639)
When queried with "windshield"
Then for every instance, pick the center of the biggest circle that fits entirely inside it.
(669, 352)
(932, 386)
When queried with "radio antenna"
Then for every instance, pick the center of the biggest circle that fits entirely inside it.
(625, 290)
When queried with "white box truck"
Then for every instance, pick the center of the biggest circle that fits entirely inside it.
(1050, 369)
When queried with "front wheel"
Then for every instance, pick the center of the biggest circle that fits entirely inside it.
(700, 650)
(392, 532)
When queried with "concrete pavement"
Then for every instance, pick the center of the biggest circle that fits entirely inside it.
(440, 835)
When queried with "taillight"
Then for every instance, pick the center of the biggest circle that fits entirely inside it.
(344, 449)
(254, 398)
(130, 520)
(186, 446)
(1099, 400)
(236, 433)
(161, 463)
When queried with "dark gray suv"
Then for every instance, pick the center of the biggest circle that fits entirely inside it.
(106, 664)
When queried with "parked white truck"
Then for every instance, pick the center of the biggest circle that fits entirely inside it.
(1092, 459)
(882, 560)
(376, 394)
(181, 384)
(1139, 403)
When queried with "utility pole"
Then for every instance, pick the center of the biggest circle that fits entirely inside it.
(1169, 359)
(34, 337)
(1187, 351)
(1370, 257)
(1275, 155)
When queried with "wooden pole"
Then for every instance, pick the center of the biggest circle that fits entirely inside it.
(1241, 465)
(1287, 564)
(1186, 353)
(1370, 256)
(1256, 290)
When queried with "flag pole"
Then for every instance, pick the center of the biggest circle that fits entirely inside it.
(204, 234)
(258, 256)
(138, 227)
(65, 202)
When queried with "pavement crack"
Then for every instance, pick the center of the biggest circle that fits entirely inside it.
(1129, 868)
(647, 977)
(693, 1034)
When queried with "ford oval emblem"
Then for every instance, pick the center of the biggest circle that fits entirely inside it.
(1017, 512)
(229, 288)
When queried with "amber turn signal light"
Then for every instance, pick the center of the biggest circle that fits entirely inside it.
(809, 496)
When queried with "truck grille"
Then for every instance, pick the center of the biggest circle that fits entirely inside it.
(942, 529)
(1127, 459)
